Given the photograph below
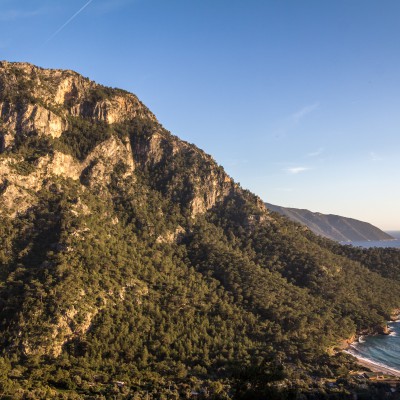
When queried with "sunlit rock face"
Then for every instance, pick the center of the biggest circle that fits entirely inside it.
(39, 109)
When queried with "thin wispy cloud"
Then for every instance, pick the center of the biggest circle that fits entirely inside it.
(296, 170)
(300, 114)
(292, 120)
(316, 153)
(68, 21)
(12, 15)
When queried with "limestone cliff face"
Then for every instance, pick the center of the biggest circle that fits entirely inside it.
(94, 139)
(208, 191)
(36, 99)
(96, 170)
(43, 101)
(30, 118)
(19, 190)
(209, 184)
(18, 193)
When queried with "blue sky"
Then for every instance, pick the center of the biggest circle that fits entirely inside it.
(298, 100)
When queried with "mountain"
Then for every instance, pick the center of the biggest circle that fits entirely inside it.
(331, 226)
(133, 266)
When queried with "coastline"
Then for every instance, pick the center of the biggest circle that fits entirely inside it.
(374, 367)
(370, 364)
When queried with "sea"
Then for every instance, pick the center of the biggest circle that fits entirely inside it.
(379, 243)
(382, 350)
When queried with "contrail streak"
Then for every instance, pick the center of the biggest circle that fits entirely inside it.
(66, 23)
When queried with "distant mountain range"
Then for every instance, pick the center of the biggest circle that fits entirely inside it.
(333, 226)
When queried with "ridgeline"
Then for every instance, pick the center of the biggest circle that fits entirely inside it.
(133, 266)
(335, 227)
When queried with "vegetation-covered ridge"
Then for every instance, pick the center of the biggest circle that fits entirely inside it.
(335, 227)
(133, 266)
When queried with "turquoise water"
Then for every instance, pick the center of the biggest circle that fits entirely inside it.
(382, 350)
(382, 243)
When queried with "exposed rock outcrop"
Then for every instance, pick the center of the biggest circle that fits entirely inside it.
(41, 100)
(47, 99)
(101, 141)
(19, 193)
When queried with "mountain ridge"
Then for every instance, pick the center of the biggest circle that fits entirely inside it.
(331, 226)
(128, 255)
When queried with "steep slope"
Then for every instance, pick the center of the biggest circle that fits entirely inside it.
(131, 263)
(331, 226)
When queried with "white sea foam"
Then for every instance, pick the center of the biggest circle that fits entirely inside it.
(384, 367)
(379, 351)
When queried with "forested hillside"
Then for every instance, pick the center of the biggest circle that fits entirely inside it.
(133, 266)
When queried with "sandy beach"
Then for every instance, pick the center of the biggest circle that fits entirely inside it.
(377, 368)
(374, 367)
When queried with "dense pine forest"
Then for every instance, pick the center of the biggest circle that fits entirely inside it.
(132, 266)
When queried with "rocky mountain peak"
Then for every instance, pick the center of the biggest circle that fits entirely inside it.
(56, 122)
(42, 100)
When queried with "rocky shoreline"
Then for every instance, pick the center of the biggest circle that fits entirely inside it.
(395, 316)
(382, 330)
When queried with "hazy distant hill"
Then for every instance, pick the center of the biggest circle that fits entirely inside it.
(332, 226)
